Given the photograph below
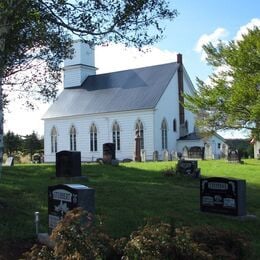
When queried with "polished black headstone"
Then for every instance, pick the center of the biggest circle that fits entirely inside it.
(65, 197)
(224, 196)
(68, 164)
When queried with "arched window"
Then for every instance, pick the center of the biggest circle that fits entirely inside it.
(93, 138)
(116, 135)
(73, 139)
(139, 129)
(164, 134)
(54, 144)
(174, 125)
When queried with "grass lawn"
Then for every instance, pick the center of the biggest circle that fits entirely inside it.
(125, 197)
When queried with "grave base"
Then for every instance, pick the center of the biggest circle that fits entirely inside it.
(44, 239)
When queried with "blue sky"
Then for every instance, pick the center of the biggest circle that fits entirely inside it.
(197, 23)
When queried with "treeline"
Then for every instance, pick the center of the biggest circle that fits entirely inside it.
(25, 145)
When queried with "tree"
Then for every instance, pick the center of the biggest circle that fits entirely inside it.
(232, 98)
(32, 144)
(12, 143)
(36, 35)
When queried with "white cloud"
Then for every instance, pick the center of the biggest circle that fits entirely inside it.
(116, 57)
(244, 29)
(214, 37)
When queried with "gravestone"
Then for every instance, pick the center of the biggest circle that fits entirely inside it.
(233, 156)
(155, 156)
(68, 164)
(185, 152)
(166, 155)
(109, 152)
(224, 196)
(65, 197)
(188, 167)
(143, 155)
(195, 152)
(9, 161)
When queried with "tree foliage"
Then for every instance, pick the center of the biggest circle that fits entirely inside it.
(232, 98)
(32, 144)
(28, 144)
(36, 35)
(12, 143)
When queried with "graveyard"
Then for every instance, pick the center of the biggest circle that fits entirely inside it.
(125, 197)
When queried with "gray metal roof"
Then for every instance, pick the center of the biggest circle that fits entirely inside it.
(126, 90)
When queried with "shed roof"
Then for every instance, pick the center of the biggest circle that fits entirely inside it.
(127, 90)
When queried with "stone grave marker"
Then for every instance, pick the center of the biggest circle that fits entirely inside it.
(233, 156)
(109, 152)
(65, 197)
(155, 156)
(188, 167)
(143, 155)
(68, 164)
(224, 196)
(165, 155)
(9, 161)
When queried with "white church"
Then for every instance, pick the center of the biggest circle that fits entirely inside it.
(94, 109)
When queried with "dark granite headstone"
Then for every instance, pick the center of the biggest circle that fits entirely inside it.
(68, 164)
(65, 197)
(224, 196)
(109, 152)
(188, 167)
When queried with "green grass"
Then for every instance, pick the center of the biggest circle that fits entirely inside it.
(126, 196)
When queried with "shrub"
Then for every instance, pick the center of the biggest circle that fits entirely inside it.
(223, 244)
(77, 236)
(162, 241)
(150, 242)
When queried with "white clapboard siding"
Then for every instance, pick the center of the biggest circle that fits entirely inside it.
(104, 123)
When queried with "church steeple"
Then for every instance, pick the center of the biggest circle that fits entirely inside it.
(82, 64)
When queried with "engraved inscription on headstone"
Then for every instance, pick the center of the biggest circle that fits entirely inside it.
(65, 197)
(224, 196)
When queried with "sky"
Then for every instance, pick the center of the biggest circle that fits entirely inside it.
(198, 23)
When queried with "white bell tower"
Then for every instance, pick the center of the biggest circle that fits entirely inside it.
(82, 65)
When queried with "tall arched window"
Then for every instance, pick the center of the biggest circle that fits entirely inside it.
(54, 144)
(164, 134)
(174, 125)
(93, 138)
(116, 135)
(140, 130)
(73, 139)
